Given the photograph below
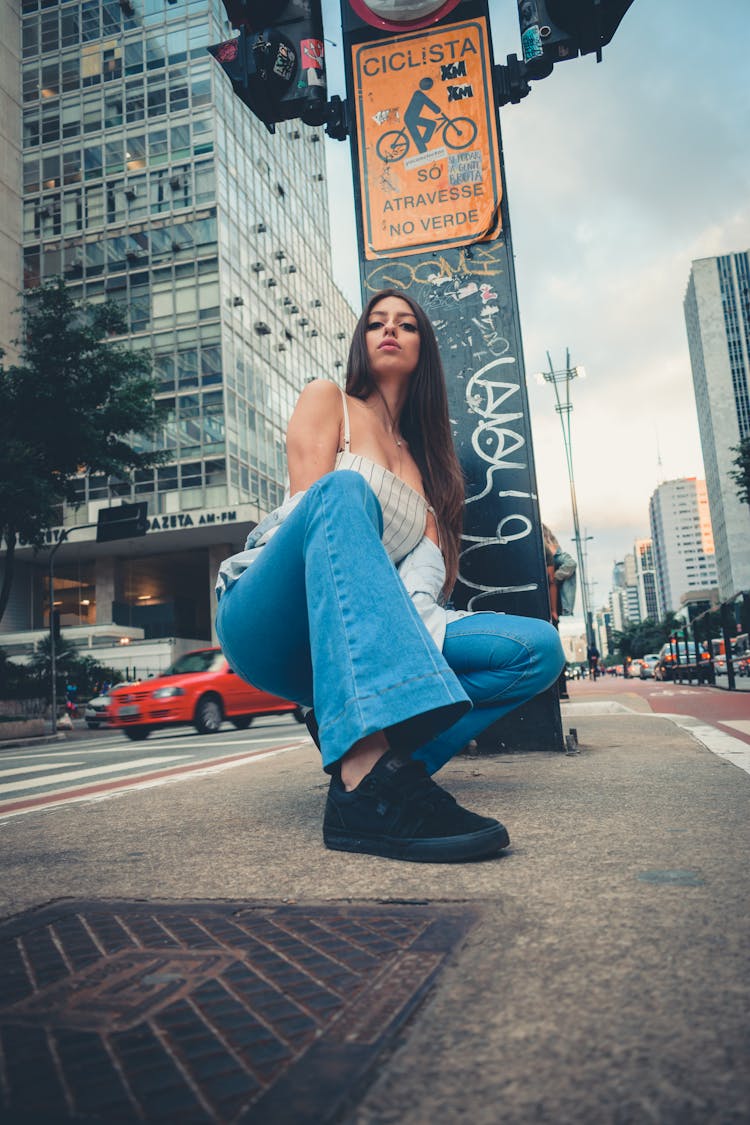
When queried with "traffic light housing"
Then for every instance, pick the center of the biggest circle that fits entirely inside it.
(555, 30)
(277, 63)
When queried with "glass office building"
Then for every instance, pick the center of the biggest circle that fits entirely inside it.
(145, 180)
(717, 316)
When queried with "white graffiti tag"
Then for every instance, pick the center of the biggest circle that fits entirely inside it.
(493, 440)
(497, 443)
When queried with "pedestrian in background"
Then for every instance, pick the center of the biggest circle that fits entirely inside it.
(338, 601)
(592, 655)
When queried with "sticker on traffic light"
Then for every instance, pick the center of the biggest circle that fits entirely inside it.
(277, 63)
(428, 144)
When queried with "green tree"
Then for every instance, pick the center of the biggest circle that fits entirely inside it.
(740, 474)
(74, 404)
(70, 668)
(646, 636)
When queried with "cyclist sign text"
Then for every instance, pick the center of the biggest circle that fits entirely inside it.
(428, 147)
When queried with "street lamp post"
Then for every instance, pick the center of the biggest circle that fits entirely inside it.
(563, 406)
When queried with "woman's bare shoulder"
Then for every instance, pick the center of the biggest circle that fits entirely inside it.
(320, 401)
(321, 391)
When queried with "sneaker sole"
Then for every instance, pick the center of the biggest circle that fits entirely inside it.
(438, 849)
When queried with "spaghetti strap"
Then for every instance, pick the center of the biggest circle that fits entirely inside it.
(437, 526)
(347, 436)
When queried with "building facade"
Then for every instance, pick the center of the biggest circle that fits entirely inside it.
(645, 580)
(717, 316)
(145, 180)
(624, 602)
(10, 175)
(683, 545)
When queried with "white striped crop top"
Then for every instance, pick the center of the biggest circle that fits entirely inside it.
(404, 509)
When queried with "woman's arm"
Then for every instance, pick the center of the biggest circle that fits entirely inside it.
(312, 439)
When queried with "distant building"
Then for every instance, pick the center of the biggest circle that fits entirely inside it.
(603, 631)
(717, 315)
(624, 602)
(645, 580)
(11, 277)
(147, 181)
(683, 545)
(624, 608)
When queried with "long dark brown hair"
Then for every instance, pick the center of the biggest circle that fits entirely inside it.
(424, 422)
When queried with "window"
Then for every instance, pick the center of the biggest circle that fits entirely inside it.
(70, 31)
(113, 110)
(135, 103)
(92, 161)
(50, 123)
(71, 73)
(30, 37)
(31, 129)
(50, 31)
(50, 80)
(89, 20)
(134, 56)
(71, 119)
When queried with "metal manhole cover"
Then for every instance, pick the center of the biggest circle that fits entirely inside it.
(206, 1012)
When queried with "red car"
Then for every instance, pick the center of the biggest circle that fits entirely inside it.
(200, 689)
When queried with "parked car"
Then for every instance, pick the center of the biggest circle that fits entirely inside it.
(666, 666)
(648, 663)
(199, 689)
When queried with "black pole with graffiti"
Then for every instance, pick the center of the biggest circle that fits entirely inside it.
(432, 219)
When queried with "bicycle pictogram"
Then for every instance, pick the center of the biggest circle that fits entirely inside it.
(457, 132)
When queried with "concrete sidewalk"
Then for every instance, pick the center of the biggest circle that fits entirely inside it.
(604, 978)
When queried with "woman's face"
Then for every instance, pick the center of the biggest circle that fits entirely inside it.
(392, 336)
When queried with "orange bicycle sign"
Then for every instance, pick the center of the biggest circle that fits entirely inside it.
(428, 148)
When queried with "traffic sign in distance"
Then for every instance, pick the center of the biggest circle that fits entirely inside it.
(127, 521)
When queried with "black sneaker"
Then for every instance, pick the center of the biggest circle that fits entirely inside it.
(397, 810)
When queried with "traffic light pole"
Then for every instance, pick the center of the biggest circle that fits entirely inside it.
(52, 638)
(125, 521)
(433, 221)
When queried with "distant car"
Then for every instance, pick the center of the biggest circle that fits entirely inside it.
(648, 663)
(96, 712)
(634, 668)
(666, 667)
(199, 689)
(739, 663)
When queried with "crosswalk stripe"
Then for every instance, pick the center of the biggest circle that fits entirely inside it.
(37, 769)
(103, 790)
(95, 771)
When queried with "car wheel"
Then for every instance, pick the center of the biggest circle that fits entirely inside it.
(298, 714)
(208, 715)
(92, 726)
(136, 734)
(242, 722)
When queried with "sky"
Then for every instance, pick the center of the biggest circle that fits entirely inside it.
(618, 176)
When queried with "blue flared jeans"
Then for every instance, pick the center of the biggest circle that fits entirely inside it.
(321, 617)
